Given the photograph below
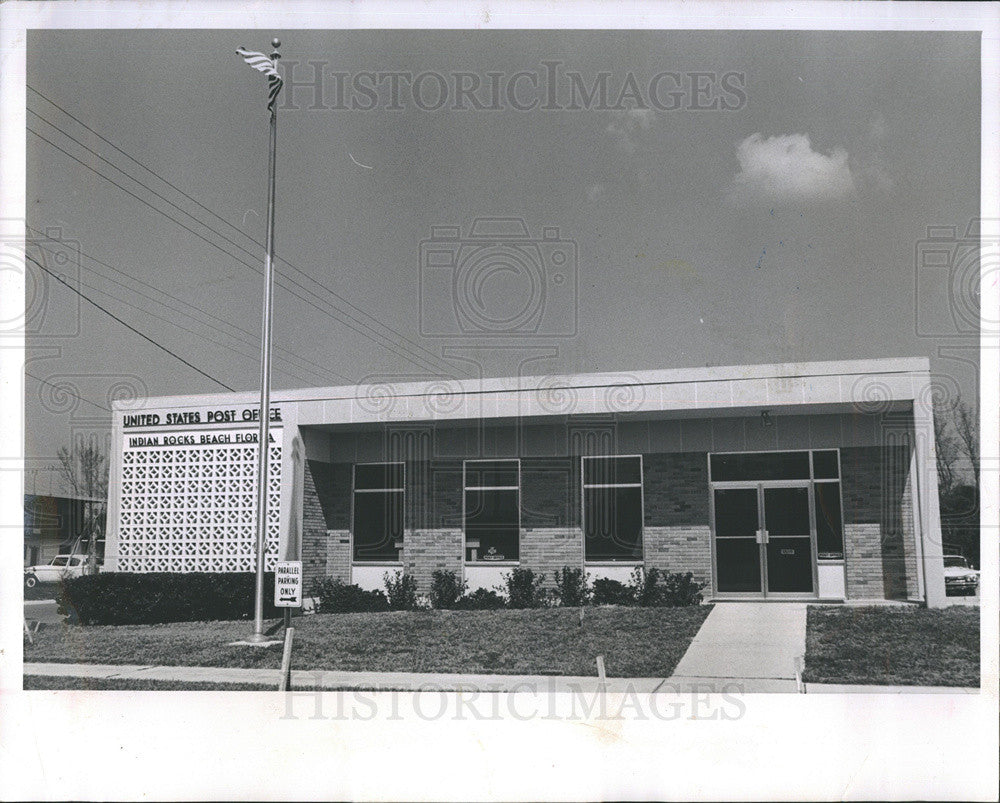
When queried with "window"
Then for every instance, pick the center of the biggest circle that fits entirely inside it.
(378, 511)
(822, 467)
(829, 527)
(829, 521)
(743, 466)
(612, 508)
(492, 510)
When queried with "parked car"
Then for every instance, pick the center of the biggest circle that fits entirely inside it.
(958, 577)
(59, 568)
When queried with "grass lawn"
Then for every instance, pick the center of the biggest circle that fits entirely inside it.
(893, 645)
(635, 642)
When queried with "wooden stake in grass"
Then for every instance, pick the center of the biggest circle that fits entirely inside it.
(286, 661)
(602, 684)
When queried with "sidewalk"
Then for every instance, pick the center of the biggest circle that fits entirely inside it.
(413, 681)
(748, 640)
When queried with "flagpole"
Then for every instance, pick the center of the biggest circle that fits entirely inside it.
(263, 440)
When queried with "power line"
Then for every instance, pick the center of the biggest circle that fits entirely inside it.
(291, 357)
(174, 323)
(219, 217)
(65, 389)
(398, 336)
(253, 267)
(106, 311)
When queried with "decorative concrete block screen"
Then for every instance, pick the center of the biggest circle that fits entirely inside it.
(189, 502)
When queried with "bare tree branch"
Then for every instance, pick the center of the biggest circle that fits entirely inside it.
(967, 427)
(84, 473)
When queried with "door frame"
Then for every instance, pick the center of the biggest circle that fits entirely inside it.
(759, 486)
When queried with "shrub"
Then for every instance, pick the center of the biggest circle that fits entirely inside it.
(611, 592)
(655, 589)
(571, 587)
(132, 598)
(481, 599)
(524, 589)
(644, 585)
(401, 589)
(336, 596)
(446, 589)
(681, 589)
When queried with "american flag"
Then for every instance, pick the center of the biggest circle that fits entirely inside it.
(263, 64)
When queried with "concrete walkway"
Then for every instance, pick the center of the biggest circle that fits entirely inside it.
(413, 681)
(336, 680)
(759, 641)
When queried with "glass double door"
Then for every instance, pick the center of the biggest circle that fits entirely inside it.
(764, 539)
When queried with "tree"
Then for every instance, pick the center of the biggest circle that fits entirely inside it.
(967, 427)
(956, 435)
(946, 446)
(84, 473)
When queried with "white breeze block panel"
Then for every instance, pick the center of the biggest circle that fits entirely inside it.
(192, 507)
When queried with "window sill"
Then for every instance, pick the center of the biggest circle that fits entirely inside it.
(396, 563)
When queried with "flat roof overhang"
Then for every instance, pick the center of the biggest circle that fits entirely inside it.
(862, 386)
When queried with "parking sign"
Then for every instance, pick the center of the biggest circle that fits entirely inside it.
(288, 584)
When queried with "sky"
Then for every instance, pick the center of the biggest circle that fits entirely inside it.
(782, 222)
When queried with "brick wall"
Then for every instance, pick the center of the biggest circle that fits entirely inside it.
(879, 545)
(681, 549)
(863, 559)
(675, 489)
(547, 550)
(879, 535)
(326, 492)
(425, 551)
(338, 554)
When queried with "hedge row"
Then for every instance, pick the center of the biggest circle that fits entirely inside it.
(124, 598)
(522, 588)
(127, 598)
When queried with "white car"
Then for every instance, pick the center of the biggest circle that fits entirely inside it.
(958, 577)
(61, 567)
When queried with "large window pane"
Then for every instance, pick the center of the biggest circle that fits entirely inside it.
(829, 527)
(736, 513)
(613, 523)
(491, 474)
(611, 470)
(737, 563)
(379, 476)
(378, 525)
(786, 511)
(760, 466)
(825, 465)
(491, 524)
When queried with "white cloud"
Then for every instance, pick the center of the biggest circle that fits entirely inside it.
(786, 168)
(626, 125)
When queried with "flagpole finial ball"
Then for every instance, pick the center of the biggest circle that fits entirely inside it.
(275, 42)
